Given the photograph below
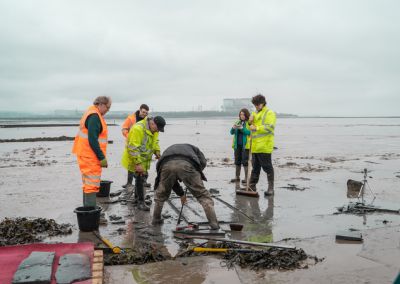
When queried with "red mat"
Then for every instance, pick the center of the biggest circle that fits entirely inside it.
(11, 257)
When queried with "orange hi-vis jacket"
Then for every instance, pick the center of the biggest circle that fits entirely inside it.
(81, 143)
(128, 123)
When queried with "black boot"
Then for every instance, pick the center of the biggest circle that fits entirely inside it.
(237, 174)
(130, 179)
(142, 206)
(244, 181)
(139, 194)
(270, 190)
(252, 183)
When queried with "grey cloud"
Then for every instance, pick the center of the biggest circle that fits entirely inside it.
(307, 57)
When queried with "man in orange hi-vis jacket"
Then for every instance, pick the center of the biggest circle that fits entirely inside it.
(90, 147)
(135, 117)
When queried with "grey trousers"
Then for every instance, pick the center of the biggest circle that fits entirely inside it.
(180, 169)
(184, 171)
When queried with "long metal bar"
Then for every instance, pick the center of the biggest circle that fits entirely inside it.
(180, 213)
(184, 236)
(234, 208)
(177, 210)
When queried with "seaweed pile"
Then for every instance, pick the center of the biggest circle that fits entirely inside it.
(130, 256)
(270, 258)
(359, 208)
(23, 230)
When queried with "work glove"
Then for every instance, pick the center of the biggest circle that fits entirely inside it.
(103, 163)
(183, 199)
(139, 169)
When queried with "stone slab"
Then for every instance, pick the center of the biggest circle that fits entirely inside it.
(349, 236)
(73, 267)
(35, 269)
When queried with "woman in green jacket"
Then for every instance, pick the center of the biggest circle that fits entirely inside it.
(241, 143)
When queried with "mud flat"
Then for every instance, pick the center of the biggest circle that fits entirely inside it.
(38, 139)
(321, 162)
(42, 125)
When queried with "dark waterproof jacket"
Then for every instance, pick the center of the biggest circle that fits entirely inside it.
(186, 152)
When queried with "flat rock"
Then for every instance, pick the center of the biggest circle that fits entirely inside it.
(349, 236)
(35, 269)
(72, 268)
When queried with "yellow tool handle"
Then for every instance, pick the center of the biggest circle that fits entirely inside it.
(110, 245)
(200, 249)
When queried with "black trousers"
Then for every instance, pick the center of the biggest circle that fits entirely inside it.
(264, 161)
(241, 157)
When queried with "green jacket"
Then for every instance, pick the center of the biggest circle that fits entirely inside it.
(140, 146)
(245, 132)
(263, 137)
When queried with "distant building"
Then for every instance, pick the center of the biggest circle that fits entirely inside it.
(234, 105)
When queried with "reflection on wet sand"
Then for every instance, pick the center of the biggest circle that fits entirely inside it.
(261, 229)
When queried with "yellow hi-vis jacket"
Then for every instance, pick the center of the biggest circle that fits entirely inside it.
(262, 140)
(140, 146)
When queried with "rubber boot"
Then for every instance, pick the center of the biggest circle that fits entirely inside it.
(139, 190)
(252, 183)
(211, 216)
(130, 179)
(89, 199)
(244, 181)
(142, 206)
(270, 190)
(237, 174)
(145, 183)
(157, 219)
(140, 194)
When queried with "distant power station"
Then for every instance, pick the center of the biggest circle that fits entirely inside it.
(234, 105)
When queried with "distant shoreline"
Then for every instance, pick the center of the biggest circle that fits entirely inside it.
(76, 115)
(41, 118)
(62, 115)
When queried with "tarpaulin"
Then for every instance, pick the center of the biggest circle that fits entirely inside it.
(12, 256)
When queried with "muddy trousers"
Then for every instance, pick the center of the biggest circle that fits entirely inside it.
(182, 170)
(264, 161)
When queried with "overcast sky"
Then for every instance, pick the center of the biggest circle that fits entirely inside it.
(338, 57)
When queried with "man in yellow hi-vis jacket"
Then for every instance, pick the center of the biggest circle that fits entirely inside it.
(142, 143)
(262, 142)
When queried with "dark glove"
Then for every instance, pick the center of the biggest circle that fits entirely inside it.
(103, 163)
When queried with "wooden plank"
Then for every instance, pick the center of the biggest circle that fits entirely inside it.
(98, 267)
(201, 232)
(97, 281)
(97, 274)
(98, 253)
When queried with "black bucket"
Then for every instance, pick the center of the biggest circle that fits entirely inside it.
(88, 218)
(105, 186)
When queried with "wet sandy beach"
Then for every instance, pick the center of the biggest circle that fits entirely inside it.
(314, 160)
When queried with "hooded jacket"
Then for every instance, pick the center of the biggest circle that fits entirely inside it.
(186, 152)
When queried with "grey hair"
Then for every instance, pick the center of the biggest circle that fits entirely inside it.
(101, 100)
